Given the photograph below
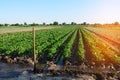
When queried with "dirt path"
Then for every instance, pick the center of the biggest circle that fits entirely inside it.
(24, 30)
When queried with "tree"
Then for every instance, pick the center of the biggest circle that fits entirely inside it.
(34, 24)
(63, 23)
(1, 24)
(84, 23)
(17, 24)
(50, 24)
(6, 24)
(55, 23)
(25, 24)
(44, 23)
(116, 23)
(73, 23)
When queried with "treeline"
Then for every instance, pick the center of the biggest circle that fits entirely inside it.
(55, 23)
(115, 24)
(44, 24)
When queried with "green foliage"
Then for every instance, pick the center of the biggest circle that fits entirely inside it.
(22, 43)
(73, 23)
(55, 23)
(81, 50)
(63, 23)
(68, 47)
(99, 49)
(52, 51)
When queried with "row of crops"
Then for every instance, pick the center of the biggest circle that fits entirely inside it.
(59, 45)
(98, 51)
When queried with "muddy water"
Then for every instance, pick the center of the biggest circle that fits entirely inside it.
(22, 72)
(12, 70)
(60, 62)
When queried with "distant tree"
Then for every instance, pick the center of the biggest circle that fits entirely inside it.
(116, 23)
(25, 24)
(50, 24)
(63, 23)
(12, 24)
(1, 24)
(21, 24)
(44, 23)
(34, 24)
(73, 23)
(84, 23)
(6, 24)
(17, 24)
(55, 23)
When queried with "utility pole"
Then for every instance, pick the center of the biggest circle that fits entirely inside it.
(34, 50)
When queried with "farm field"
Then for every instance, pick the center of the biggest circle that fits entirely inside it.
(110, 33)
(93, 48)
(111, 36)
(14, 29)
(64, 42)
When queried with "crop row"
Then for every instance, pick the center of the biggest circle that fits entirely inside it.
(81, 50)
(69, 45)
(52, 51)
(97, 50)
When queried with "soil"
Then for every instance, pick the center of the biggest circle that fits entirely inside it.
(67, 72)
(23, 30)
(16, 60)
(78, 71)
(74, 60)
(58, 56)
(88, 56)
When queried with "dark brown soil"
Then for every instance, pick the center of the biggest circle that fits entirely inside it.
(16, 60)
(74, 60)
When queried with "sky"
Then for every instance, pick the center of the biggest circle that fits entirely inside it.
(39, 11)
